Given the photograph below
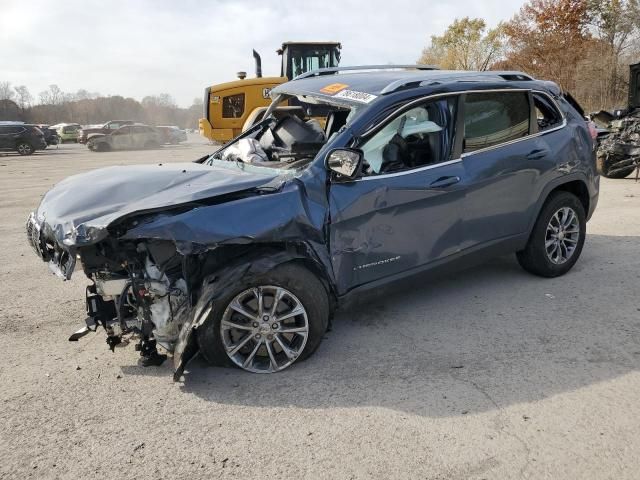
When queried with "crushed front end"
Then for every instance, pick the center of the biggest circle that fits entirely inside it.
(137, 288)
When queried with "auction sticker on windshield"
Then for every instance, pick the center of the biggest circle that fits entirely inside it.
(356, 96)
(333, 88)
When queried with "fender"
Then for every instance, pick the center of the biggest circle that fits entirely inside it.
(554, 184)
(215, 286)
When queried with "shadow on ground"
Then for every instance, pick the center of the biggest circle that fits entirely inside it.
(473, 341)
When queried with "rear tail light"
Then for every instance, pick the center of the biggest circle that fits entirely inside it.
(593, 132)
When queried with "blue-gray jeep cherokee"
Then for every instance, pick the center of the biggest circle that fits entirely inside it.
(244, 255)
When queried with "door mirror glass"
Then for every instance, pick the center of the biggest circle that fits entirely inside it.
(346, 163)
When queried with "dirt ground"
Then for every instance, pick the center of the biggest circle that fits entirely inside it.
(490, 373)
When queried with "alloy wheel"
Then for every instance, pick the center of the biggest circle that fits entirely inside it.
(264, 329)
(24, 149)
(562, 235)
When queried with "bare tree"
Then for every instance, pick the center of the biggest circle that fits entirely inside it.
(24, 97)
(6, 92)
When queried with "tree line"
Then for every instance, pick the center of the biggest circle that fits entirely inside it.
(86, 108)
(583, 45)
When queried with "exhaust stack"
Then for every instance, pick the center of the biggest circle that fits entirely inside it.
(258, 60)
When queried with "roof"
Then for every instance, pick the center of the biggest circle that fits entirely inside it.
(310, 43)
(330, 83)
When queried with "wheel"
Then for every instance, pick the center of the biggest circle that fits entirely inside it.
(266, 325)
(23, 148)
(557, 237)
(99, 147)
(605, 167)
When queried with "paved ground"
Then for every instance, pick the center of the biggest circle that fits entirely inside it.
(489, 373)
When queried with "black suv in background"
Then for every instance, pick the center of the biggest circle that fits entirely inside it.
(21, 138)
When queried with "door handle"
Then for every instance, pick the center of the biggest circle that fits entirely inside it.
(444, 182)
(537, 154)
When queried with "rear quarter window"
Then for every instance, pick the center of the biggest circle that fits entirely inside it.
(493, 118)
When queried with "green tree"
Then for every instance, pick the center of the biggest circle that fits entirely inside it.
(465, 45)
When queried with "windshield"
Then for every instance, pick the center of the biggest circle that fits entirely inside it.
(288, 138)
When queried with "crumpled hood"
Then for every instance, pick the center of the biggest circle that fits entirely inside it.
(78, 209)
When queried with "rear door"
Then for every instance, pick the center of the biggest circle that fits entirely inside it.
(503, 163)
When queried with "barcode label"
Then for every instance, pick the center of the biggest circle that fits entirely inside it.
(356, 96)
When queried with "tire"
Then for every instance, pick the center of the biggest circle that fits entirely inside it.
(535, 258)
(101, 147)
(303, 286)
(605, 165)
(24, 148)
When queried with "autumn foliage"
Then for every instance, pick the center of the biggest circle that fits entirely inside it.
(583, 45)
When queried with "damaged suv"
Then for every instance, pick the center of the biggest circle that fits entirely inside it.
(245, 254)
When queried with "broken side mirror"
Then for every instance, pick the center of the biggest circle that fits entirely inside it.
(346, 163)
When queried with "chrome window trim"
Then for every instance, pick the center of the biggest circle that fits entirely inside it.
(406, 172)
(526, 137)
(408, 106)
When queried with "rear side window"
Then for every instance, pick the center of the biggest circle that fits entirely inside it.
(493, 118)
(547, 115)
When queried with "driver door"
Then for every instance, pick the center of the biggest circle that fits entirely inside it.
(404, 212)
(121, 138)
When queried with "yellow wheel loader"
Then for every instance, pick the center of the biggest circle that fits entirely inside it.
(230, 107)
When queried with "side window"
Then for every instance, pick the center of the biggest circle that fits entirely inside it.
(547, 115)
(494, 117)
(123, 131)
(114, 126)
(418, 137)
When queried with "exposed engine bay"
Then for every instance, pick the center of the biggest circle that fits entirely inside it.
(284, 141)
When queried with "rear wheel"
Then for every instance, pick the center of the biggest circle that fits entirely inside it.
(269, 323)
(24, 148)
(557, 238)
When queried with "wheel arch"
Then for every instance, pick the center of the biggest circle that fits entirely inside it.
(245, 261)
(575, 184)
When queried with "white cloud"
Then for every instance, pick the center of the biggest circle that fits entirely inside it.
(138, 48)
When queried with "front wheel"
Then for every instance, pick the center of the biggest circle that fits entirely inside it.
(269, 323)
(557, 238)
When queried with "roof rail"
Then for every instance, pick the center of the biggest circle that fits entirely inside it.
(507, 76)
(333, 70)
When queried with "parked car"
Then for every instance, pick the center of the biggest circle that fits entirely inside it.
(129, 137)
(50, 134)
(22, 138)
(68, 132)
(244, 254)
(172, 134)
(109, 127)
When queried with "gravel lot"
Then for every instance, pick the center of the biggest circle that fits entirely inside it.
(486, 374)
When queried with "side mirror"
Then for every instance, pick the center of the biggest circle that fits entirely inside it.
(345, 162)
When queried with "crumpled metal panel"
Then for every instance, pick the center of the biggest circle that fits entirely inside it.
(78, 209)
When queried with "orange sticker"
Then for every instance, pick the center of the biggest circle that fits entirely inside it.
(333, 88)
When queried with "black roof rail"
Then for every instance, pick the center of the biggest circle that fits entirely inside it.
(333, 70)
(466, 75)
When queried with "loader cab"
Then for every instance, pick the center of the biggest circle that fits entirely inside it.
(302, 57)
(634, 86)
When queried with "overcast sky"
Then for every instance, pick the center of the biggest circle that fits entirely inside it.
(143, 47)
